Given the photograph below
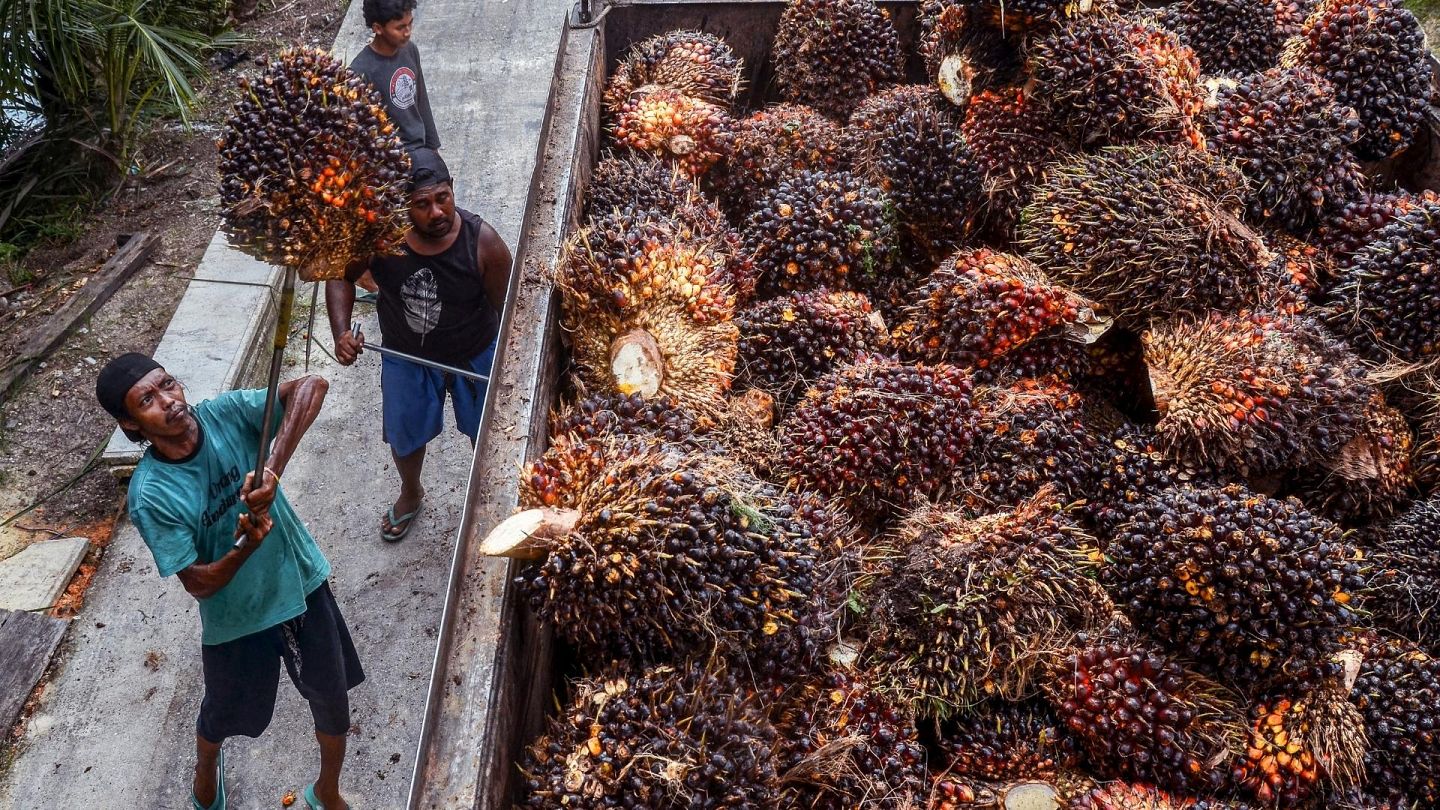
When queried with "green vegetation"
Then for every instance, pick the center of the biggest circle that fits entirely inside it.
(94, 72)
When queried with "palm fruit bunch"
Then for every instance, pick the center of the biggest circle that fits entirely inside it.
(1383, 303)
(1305, 743)
(1402, 573)
(998, 741)
(831, 54)
(1023, 16)
(671, 96)
(820, 229)
(1371, 477)
(981, 305)
(1373, 53)
(1233, 37)
(1145, 232)
(1249, 586)
(312, 172)
(1346, 231)
(648, 310)
(971, 608)
(1033, 433)
(694, 134)
(845, 745)
(1284, 131)
(879, 434)
(692, 63)
(1011, 142)
(663, 738)
(1398, 692)
(1110, 79)
(633, 544)
(644, 182)
(905, 144)
(1127, 796)
(1128, 465)
(1254, 392)
(771, 144)
(790, 341)
(963, 55)
(598, 416)
(1140, 715)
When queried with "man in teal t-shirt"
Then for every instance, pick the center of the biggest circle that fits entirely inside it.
(242, 552)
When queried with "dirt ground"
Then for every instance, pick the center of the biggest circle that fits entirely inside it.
(51, 430)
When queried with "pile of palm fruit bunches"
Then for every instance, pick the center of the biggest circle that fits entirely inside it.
(1056, 430)
(312, 172)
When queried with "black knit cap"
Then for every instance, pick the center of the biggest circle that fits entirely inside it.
(427, 169)
(118, 377)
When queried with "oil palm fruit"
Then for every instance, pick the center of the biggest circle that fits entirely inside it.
(820, 229)
(648, 309)
(1371, 477)
(650, 549)
(845, 745)
(771, 144)
(1255, 392)
(970, 608)
(1234, 37)
(831, 54)
(691, 133)
(1373, 53)
(788, 342)
(879, 434)
(1026, 16)
(964, 56)
(1398, 692)
(692, 63)
(1110, 80)
(1306, 741)
(1128, 796)
(1247, 585)
(1402, 572)
(1000, 741)
(1012, 142)
(1140, 715)
(981, 305)
(1383, 302)
(1145, 232)
(312, 172)
(907, 142)
(1285, 132)
(1129, 466)
(661, 738)
(1356, 223)
(598, 416)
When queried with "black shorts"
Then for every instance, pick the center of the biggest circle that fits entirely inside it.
(243, 675)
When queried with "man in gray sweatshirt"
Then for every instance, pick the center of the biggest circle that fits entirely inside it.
(392, 63)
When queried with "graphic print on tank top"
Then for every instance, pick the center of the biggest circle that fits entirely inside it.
(422, 302)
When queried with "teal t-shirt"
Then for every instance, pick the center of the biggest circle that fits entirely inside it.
(186, 512)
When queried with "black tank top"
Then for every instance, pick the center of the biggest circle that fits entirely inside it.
(435, 307)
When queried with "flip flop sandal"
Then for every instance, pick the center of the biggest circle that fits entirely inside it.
(404, 523)
(366, 297)
(219, 803)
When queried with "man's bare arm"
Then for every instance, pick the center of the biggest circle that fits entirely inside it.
(494, 259)
(203, 581)
(302, 399)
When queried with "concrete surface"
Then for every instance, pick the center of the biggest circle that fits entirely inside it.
(115, 727)
(35, 578)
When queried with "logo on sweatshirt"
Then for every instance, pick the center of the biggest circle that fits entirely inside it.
(403, 88)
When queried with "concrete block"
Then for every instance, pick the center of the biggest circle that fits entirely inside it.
(35, 578)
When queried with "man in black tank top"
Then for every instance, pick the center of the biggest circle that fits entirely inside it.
(440, 300)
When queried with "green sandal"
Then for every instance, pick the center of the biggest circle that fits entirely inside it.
(312, 802)
(219, 803)
(404, 523)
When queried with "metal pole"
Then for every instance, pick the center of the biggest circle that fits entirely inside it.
(282, 336)
(459, 372)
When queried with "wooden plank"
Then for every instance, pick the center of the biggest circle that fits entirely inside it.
(82, 304)
(28, 640)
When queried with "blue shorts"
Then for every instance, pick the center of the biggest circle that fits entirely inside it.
(413, 401)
